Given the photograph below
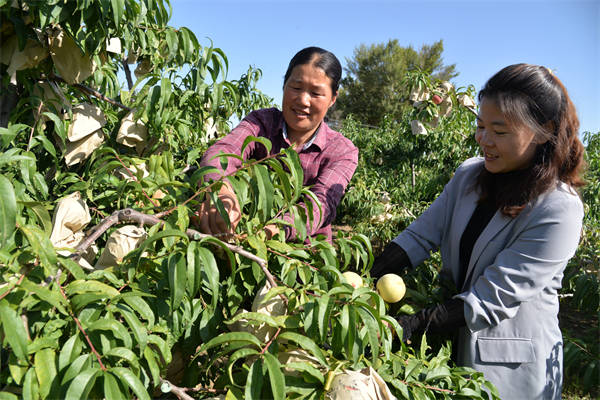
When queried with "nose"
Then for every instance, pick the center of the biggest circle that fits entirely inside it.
(483, 138)
(304, 98)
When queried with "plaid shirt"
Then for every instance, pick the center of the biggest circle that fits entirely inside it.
(328, 161)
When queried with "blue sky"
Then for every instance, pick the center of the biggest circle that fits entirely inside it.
(480, 37)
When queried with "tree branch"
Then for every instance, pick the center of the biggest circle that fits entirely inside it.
(88, 90)
(177, 391)
(127, 73)
(131, 215)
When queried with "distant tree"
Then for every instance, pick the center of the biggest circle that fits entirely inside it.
(375, 85)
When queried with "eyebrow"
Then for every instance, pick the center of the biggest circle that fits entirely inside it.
(499, 123)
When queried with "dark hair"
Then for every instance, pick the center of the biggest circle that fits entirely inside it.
(321, 58)
(532, 96)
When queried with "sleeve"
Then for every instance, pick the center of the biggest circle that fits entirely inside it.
(329, 188)
(527, 266)
(424, 234)
(230, 144)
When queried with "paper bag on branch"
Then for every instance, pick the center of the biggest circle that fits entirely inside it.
(83, 148)
(63, 248)
(52, 96)
(113, 45)
(70, 215)
(134, 170)
(73, 65)
(466, 101)
(417, 127)
(445, 106)
(366, 384)
(87, 119)
(418, 95)
(143, 67)
(120, 243)
(132, 133)
(29, 57)
(275, 306)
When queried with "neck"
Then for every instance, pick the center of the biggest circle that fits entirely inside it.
(298, 139)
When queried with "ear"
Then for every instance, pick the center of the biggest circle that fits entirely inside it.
(333, 99)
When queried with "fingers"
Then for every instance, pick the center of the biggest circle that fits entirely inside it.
(211, 221)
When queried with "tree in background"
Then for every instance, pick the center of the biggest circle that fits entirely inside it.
(374, 85)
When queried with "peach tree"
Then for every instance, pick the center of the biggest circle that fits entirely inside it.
(107, 290)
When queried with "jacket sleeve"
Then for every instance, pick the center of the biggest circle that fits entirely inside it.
(426, 233)
(532, 262)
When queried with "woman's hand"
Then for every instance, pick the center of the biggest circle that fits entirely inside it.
(211, 222)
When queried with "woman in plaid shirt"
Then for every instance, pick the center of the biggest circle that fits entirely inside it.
(328, 159)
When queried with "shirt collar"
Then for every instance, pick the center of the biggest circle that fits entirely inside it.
(317, 139)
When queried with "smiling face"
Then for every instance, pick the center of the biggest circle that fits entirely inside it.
(505, 146)
(307, 95)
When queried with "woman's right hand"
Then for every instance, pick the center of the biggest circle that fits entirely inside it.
(211, 222)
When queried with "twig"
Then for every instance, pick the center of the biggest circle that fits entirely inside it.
(127, 73)
(131, 215)
(177, 391)
(37, 118)
(87, 338)
(270, 341)
(155, 204)
(90, 91)
(3, 295)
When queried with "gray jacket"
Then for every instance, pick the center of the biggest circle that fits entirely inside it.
(514, 274)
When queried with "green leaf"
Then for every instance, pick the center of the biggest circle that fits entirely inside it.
(254, 381)
(210, 273)
(52, 297)
(232, 337)
(275, 375)
(262, 140)
(306, 343)
(141, 307)
(238, 354)
(114, 326)
(163, 234)
(152, 365)
(177, 278)
(126, 376)
(42, 247)
(91, 286)
(14, 330)
(372, 330)
(118, 8)
(8, 396)
(81, 385)
(8, 210)
(162, 346)
(80, 363)
(41, 213)
(137, 328)
(69, 352)
(324, 311)
(45, 369)
(265, 192)
(112, 389)
(125, 354)
(31, 388)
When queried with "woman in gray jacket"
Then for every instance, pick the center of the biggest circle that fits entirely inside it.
(506, 225)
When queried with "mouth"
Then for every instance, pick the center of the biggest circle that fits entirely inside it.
(300, 114)
(489, 156)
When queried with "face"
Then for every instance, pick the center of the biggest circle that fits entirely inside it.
(307, 96)
(506, 147)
